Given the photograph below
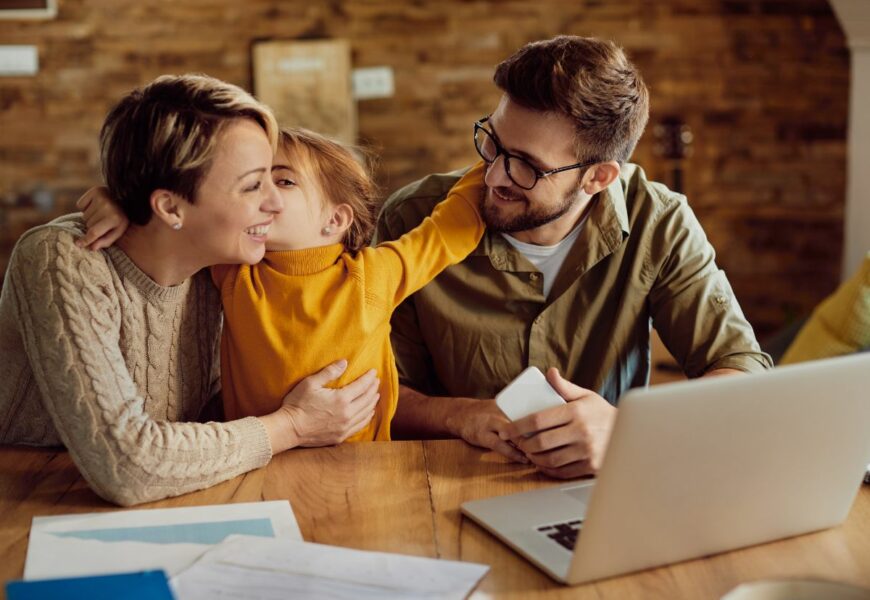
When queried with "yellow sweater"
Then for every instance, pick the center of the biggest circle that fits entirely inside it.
(298, 311)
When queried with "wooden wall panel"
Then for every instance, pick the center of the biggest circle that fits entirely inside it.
(762, 83)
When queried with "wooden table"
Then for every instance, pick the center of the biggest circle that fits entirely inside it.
(404, 497)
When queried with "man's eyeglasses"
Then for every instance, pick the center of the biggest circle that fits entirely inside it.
(518, 169)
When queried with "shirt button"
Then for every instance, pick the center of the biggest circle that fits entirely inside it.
(721, 299)
(533, 276)
(538, 320)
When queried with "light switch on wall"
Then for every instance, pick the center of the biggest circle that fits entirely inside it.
(16, 61)
(373, 82)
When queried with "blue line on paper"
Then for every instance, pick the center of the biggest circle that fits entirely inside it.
(183, 533)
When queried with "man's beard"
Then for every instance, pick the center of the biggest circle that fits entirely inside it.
(529, 218)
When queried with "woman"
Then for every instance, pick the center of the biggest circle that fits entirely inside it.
(114, 353)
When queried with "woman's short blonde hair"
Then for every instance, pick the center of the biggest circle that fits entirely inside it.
(165, 135)
(343, 175)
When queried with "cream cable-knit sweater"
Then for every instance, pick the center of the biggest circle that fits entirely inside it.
(96, 356)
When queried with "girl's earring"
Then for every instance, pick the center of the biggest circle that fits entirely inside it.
(176, 226)
(327, 230)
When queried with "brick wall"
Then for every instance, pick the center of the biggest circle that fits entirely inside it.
(762, 83)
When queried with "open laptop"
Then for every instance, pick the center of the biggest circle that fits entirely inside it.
(702, 467)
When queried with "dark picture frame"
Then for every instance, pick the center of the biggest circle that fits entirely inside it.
(28, 9)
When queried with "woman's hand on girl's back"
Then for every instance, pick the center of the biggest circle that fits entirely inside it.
(315, 415)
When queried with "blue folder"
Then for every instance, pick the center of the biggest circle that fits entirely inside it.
(144, 585)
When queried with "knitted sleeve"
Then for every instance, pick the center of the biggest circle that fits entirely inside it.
(69, 320)
(394, 270)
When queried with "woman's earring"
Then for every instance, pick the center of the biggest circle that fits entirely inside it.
(327, 230)
(176, 226)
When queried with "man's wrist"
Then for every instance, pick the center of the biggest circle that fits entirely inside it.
(723, 371)
(420, 416)
(452, 422)
(456, 415)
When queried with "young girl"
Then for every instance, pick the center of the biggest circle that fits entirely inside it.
(320, 293)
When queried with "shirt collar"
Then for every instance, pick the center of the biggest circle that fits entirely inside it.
(615, 197)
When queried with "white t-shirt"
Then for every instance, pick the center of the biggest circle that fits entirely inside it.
(547, 259)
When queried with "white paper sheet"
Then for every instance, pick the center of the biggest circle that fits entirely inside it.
(272, 569)
(138, 540)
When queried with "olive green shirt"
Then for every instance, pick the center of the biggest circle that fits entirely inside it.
(641, 261)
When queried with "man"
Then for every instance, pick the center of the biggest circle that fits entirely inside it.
(582, 255)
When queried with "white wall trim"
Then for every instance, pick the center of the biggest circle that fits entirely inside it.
(857, 213)
(854, 17)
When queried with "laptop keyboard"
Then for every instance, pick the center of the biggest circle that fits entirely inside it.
(564, 534)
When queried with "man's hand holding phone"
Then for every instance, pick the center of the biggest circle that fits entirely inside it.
(563, 439)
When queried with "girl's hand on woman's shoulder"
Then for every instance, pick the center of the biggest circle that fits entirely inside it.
(105, 221)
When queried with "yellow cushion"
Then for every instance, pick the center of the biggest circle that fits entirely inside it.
(839, 325)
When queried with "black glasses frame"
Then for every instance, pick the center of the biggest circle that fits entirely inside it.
(500, 151)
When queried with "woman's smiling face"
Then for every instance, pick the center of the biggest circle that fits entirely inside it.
(237, 201)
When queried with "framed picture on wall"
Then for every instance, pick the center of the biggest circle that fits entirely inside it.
(308, 83)
(28, 9)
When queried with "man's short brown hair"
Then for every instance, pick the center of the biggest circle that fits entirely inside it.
(164, 136)
(588, 80)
